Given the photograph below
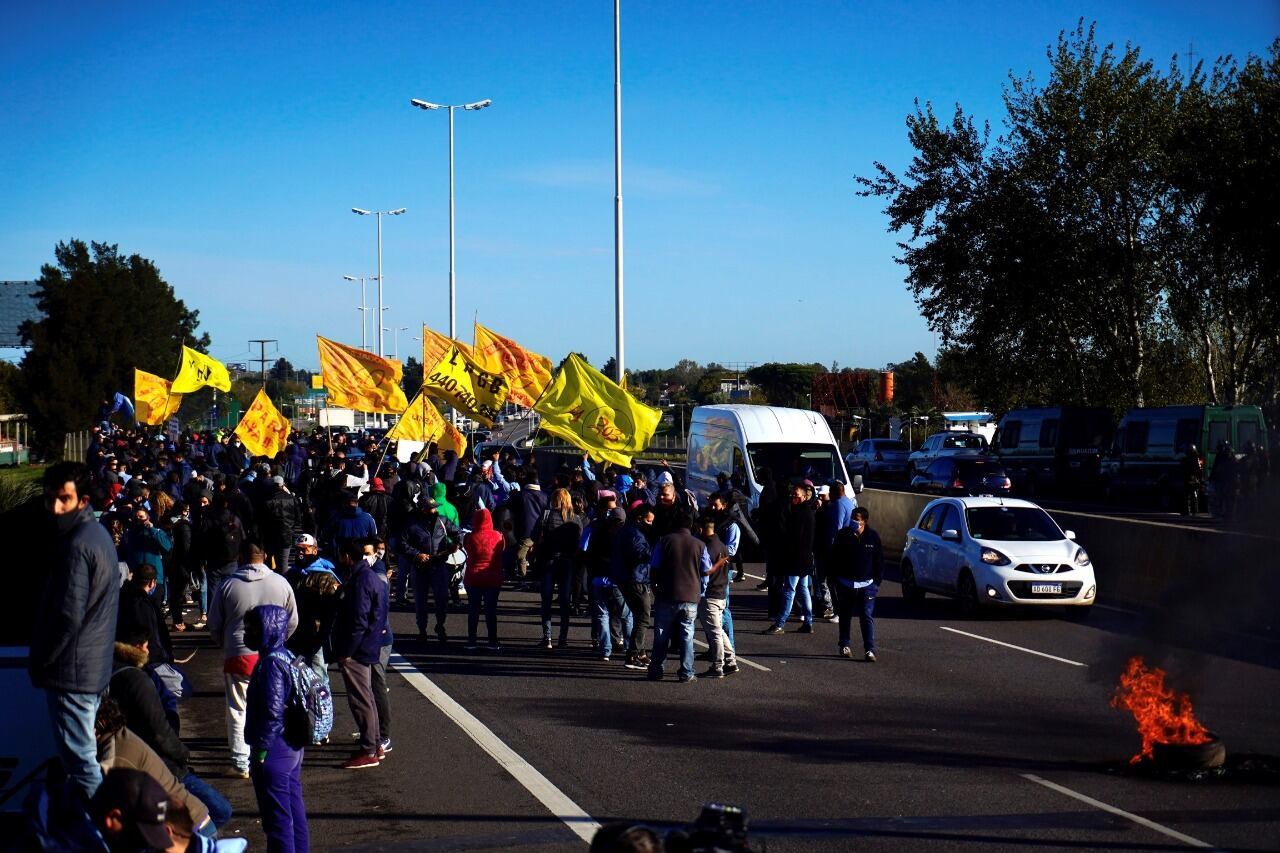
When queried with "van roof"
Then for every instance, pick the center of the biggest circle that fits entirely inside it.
(771, 424)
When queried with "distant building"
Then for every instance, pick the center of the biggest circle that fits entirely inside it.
(736, 388)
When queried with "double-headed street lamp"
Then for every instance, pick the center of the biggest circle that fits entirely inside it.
(379, 214)
(395, 339)
(364, 310)
(427, 105)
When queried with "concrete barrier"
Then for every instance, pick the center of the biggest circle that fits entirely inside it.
(1221, 578)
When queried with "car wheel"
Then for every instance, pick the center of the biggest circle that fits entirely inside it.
(912, 593)
(967, 592)
(1079, 613)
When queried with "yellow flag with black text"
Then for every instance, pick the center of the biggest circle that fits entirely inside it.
(153, 399)
(453, 439)
(264, 431)
(355, 379)
(435, 346)
(525, 371)
(462, 383)
(198, 371)
(422, 421)
(591, 411)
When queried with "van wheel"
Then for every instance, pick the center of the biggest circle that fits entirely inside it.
(912, 593)
(967, 592)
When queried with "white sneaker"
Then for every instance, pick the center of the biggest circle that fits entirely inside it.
(870, 657)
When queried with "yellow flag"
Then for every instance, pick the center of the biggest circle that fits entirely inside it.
(526, 372)
(435, 346)
(420, 422)
(466, 386)
(453, 439)
(590, 410)
(264, 430)
(199, 370)
(153, 398)
(360, 380)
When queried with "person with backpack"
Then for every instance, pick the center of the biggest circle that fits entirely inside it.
(317, 591)
(357, 636)
(275, 750)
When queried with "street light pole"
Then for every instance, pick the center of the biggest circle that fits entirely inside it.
(428, 105)
(364, 312)
(379, 214)
(617, 187)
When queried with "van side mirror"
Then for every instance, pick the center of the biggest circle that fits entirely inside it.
(857, 484)
(951, 536)
(1070, 534)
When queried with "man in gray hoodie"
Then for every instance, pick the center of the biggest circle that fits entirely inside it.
(250, 585)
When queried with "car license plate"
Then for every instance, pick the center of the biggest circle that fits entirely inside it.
(1046, 589)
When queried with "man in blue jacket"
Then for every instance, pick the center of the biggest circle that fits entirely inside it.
(629, 569)
(350, 524)
(75, 629)
(357, 636)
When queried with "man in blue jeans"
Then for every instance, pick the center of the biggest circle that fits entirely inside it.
(72, 647)
(795, 559)
(679, 562)
(857, 562)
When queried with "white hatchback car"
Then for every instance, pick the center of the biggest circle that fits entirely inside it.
(996, 551)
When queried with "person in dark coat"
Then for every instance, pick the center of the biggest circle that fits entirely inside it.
(274, 765)
(141, 612)
(377, 503)
(182, 564)
(857, 567)
(357, 636)
(794, 558)
(528, 505)
(75, 628)
(279, 521)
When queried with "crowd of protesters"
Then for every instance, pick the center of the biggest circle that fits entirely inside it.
(301, 558)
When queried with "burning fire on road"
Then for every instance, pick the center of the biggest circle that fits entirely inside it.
(1171, 734)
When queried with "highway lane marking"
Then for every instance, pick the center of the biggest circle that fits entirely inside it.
(1138, 819)
(1012, 646)
(556, 801)
(740, 659)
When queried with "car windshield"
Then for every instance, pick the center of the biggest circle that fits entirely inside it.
(890, 445)
(968, 442)
(1011, 524)
(816, 462)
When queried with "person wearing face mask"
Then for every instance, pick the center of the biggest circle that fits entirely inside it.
(75, 624)
(427, 541)
(795, 558)
(357, 636)
(857, 566)
(146, 545)
(317, 591)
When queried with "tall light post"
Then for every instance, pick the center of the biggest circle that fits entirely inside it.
(364, 311)
(428, 105)
(395, 339)
(617, 187)
(379, 214)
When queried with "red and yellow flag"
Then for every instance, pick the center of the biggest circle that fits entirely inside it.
(153, 398)
(360, 380)
(435, 346)
(453, 439)
(264, 431)
(525, 371)
(420, 422)
(590, 410)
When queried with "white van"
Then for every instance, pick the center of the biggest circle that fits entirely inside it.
(755, 442)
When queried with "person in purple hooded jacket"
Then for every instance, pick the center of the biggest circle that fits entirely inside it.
(275, 766)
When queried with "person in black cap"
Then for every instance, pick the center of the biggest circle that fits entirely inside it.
(129, 810)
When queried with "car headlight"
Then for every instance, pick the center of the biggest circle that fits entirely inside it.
(1082, 557)
(992, 557)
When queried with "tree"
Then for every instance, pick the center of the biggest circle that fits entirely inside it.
(282, 371)
(411, 381)
(785, 384)
(104, 314)
(1068, 259)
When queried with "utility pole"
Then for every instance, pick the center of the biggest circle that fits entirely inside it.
(262, 351)
(1191, 54)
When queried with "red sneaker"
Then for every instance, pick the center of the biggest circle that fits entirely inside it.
(361, 761)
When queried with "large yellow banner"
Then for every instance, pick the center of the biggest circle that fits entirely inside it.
(264, 431)
(435, 346)
(420, 422)
(153, 399)
(590, 410)
(199, 370)
(466, 386)
(453, 440)
(360, 380)
(526, 372)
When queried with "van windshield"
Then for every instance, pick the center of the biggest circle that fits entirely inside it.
(784, 462)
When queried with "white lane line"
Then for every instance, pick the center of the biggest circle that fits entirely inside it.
(1138, 819)
(569, 812)
(1012, 646)
(741, 659)
(757, 577)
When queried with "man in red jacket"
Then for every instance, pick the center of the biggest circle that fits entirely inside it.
(483, 579)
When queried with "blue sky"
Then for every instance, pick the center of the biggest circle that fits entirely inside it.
(229, 143)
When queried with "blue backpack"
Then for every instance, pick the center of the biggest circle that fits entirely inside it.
(308, 718)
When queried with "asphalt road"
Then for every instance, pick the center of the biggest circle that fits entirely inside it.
(938, 746)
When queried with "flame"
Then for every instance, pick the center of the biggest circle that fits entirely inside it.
(1163, 715)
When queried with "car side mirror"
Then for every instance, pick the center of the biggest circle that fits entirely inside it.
(951, 536)
(1070, 534)
(857, 484)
